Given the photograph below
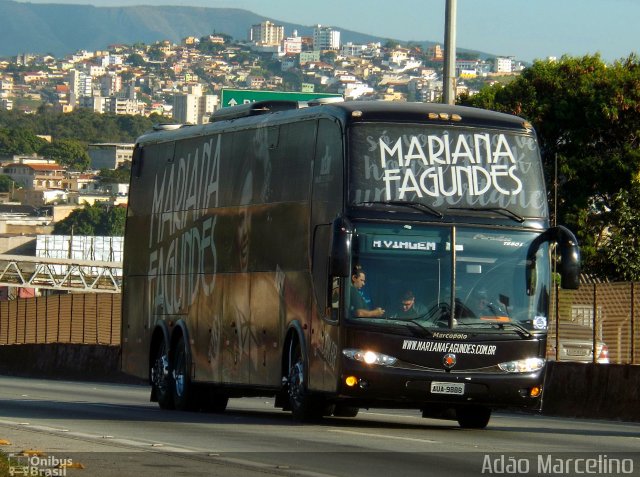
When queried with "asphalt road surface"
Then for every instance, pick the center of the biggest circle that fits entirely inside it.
(88, 429)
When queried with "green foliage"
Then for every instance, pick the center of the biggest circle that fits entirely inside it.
(619, 255)
(98, 219)
(120, 175)
(19, 141)
(6, 184)
(587, 115)
(81, 124)
(68, 152)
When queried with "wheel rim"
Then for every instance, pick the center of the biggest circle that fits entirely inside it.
(179, 373)
(160, 369)
(296, 382)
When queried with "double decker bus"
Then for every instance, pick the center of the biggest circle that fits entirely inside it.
(342, 256)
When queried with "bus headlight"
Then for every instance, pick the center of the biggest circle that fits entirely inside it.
(528, 365)
(369, 357)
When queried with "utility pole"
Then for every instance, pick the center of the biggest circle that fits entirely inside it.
(449, 75)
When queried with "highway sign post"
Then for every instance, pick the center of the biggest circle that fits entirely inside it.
(234, 97)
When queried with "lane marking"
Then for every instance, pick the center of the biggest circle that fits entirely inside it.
(378, 436)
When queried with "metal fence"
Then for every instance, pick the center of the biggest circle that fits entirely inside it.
(82, 318)
(600, 316)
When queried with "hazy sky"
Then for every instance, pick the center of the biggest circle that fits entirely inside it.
(526, 29)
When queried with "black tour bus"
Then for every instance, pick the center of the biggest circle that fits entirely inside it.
(248, 240)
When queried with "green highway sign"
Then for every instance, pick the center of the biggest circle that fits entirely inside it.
(233, 97)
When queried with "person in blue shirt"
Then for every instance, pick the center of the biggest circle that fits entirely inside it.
(358, 303)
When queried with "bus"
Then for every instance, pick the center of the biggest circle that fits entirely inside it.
(333, 255)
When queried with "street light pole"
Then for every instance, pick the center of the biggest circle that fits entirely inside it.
(449, 74)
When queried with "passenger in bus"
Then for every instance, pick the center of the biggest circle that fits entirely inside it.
(358, 304)
(409, 307)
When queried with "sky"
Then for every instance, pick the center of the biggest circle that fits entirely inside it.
(526, 29)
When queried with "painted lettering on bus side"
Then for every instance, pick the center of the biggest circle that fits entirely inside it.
(181, 243)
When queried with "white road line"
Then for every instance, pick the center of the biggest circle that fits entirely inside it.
(378, 436)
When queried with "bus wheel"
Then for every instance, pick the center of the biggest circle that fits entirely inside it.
(473, 417)
(340, 410)
(182, 390)
(161, 378)
(303, 405)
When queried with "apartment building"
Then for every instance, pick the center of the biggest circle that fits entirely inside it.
(109, 155)
(325, 38)
(266, 34)
(194, 107)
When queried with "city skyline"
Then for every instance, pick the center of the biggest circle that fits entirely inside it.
(524, 29)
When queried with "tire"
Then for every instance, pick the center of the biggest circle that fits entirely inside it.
(160, 378)
(473, 417)
(182, 389)
(304, 407)
(340, 410)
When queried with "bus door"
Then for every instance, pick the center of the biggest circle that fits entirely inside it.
(326, 205)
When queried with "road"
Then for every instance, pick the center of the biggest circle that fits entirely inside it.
(113, 430)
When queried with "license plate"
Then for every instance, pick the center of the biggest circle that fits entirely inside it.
(447, 388)
(578, 352)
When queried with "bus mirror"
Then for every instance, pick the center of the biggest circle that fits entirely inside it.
(340, 259)
(569, 266)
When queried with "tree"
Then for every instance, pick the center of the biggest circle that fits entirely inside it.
(120, 175)
(19, 141)
(94, 220)
(587, 115)
(6, 183)
(68, 152)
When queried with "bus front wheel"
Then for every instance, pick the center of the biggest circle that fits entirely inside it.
(303, 405)
(473, 417)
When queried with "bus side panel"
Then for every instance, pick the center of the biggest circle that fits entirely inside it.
(135, 331)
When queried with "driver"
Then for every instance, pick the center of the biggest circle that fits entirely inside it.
(358, 304)
(482, 306)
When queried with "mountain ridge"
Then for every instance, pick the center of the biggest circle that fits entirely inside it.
(62, 29)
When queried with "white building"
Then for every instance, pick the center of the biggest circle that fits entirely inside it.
(503, 64)
(266, 34)
(194, 107)
(325, 38)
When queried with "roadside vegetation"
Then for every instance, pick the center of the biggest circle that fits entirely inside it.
(587, 116)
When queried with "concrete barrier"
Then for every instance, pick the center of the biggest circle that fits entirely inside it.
(609, 391)
(602, 391)
(64, 361)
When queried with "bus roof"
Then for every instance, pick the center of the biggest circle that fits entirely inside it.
(349, 112)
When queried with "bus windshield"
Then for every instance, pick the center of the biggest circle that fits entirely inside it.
(446, 168)
(409, 275)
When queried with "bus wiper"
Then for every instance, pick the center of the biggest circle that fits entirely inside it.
(502, 210)
(401, 203)
(502, 325)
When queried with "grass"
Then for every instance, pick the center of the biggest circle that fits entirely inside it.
(4, 465)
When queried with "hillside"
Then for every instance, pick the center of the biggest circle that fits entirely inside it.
(62, 29)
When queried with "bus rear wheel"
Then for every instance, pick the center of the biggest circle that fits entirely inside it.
(182, 389)
(304, 406)
(160, 377)
(473, 417)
